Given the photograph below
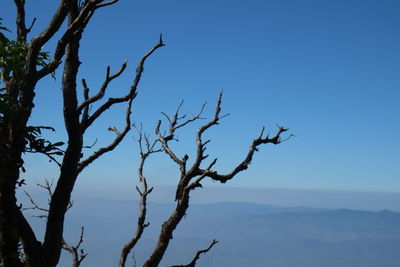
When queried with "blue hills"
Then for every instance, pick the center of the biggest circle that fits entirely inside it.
(249, 234)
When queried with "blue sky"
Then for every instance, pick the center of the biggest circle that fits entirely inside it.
(328, 70)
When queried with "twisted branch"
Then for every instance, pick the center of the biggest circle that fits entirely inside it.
(223, 178)
(132, 92)
(191, 179)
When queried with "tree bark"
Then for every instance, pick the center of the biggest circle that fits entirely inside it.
(12, 145)
(167, 230)
(9, 236)
(69, 170)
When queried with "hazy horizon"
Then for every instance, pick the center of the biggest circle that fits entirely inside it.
(283, 197)
(248, 234)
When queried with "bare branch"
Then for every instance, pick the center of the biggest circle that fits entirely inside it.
(173, 126)
(77, 255)
(150, 146)
(195, 169)
(132, 92)
(48, 187)
(92, 145)
(141, 222)
(197, 256)
(164, 143)
(120, 136)
(174, 120)
(223, 178)
(183, 188)
(35, 206)
(102, 89)
(111, 101)
(31, 26)
(190, 180)
(141, 225)
(200, 143)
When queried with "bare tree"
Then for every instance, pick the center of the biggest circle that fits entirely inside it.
(17, 137)
(191, 177)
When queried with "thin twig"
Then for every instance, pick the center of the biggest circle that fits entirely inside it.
(197, 256)
(78, 255)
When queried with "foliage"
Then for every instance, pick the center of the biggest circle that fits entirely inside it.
(13, 57)
(13, 63)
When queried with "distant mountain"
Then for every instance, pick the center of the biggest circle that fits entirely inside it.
(249, 234)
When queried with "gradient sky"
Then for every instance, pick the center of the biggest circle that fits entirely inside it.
(328, 70)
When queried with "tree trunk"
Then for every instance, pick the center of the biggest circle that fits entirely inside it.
(11, 147)
(69, 170)
(8, 218)
(166, 232)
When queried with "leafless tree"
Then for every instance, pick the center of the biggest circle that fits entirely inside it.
(191, 177)
(20, 88)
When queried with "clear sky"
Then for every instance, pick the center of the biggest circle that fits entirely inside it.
(328, 70)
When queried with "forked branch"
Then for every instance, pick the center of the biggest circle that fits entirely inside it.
(132, 92)
(175, 122)
(145, 151)
(89, 119)
(192, 178)
(78, 255)
(119, 137)
(48, 187)
(102, 89)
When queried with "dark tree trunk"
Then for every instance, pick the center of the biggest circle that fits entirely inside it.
(69, 169)
(9, 236)
(12, 144)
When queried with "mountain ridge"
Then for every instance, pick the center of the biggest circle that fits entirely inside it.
(249, 234)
